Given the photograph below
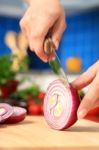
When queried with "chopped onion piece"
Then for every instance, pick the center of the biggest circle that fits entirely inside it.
(5, 111)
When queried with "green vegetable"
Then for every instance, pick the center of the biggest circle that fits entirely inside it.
(23, 94)
(5, 69)
(6, 72)
(24, 64)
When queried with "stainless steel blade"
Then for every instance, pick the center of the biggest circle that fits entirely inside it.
(55, 62)
(57, 68)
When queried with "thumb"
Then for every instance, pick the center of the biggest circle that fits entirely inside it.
(90, 99)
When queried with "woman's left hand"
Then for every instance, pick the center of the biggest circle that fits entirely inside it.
(91, 98)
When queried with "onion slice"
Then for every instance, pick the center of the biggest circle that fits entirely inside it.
(60, 105)
(5, 111)
(18, 115)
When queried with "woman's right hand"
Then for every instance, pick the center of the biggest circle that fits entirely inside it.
(40, 17)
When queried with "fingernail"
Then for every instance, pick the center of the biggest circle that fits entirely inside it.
(82, 113)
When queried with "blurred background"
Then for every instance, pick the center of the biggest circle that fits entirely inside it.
(80, 40)
(79, 47)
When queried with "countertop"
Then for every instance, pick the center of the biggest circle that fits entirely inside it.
(34, 134)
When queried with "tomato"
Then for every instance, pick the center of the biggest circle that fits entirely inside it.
(4, 91)
(12, 85)
(92, 118)
(34, 109)
(93, 115)
(94, 111)
(8, 88)
(41, 95)
(30, 100)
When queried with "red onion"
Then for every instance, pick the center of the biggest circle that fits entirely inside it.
(5, 111)
(18, 115)
(60, 105)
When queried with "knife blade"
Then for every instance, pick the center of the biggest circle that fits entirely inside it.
(54, 63)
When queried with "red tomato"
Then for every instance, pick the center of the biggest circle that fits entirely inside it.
(30, 100)
(41, 95)
(34, 109)
(92, 118)
(12, 85)
(4, 92)
(94, 111)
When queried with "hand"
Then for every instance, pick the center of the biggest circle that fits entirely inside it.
(91, 99)
(40, 17)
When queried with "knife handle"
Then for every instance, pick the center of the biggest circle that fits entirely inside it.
(49, 47)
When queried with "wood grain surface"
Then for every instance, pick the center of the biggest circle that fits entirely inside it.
(34, 134)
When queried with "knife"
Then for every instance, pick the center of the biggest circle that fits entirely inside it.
(54, 63)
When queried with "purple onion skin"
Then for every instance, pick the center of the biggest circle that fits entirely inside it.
(18, 115)
(9, 111)
(76, 103)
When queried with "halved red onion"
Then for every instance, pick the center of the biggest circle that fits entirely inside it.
(60, 105)
(18, 115)
(5, 111)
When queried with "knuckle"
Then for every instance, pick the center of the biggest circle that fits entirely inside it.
(21, 23)
(24, 21)
(31, 47)
(53, 12)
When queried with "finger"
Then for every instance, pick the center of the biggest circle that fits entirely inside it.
(96, 103)
(37, 37)
(39, 50)
(25, 27)
(37, 47)
(86, 78)
(58, 29)
(90, 99)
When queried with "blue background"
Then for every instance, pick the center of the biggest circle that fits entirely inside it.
(81, 39)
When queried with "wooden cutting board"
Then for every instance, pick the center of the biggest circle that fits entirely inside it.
(34, 134)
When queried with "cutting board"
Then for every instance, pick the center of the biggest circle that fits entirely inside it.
(34, 134)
